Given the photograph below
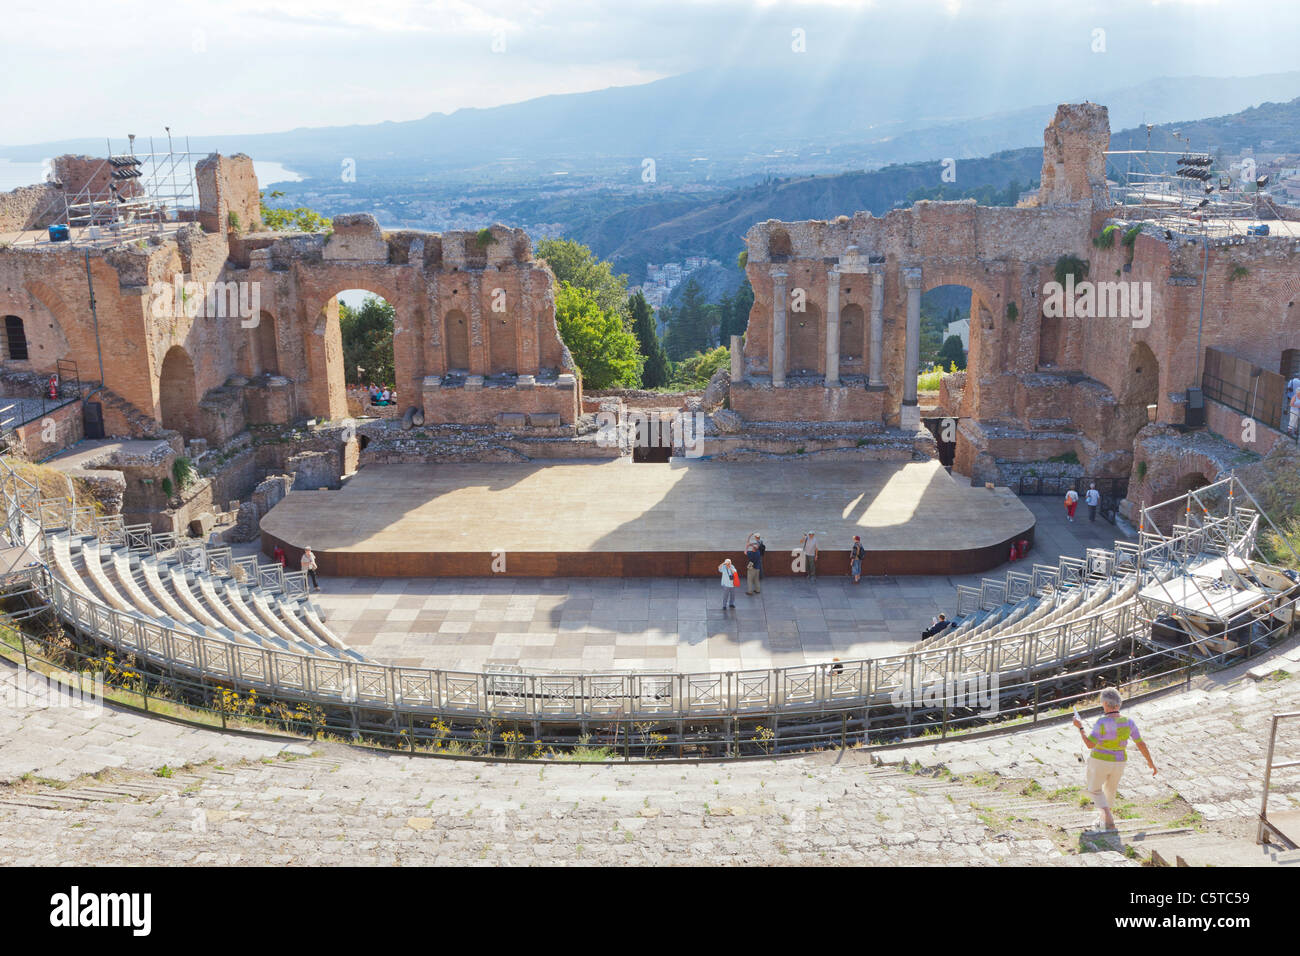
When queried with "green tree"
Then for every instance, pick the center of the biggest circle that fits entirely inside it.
(367, 334)
(574, 263)
(604, 350)
(655, 372)
(694, 371)
(689, 331)
(952, 352)
(741, 304)
(300, 219)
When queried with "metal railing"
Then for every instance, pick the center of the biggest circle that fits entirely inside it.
(581, 697)
(1268, 831)
(1137, 672)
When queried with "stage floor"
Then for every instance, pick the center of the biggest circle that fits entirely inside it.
(618, 518)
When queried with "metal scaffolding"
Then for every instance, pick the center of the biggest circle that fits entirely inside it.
(128, 196)
(1193, 197)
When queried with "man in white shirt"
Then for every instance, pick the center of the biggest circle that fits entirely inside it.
(729, 578)
(1092, 499)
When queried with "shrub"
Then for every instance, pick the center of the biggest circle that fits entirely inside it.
(485, 238)
(1071, 265)
(1107, 237)
(183, 472)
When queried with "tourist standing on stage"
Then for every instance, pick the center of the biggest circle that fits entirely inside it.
(754, 557)
(1071, 502)
(1092, 499)
(809, 548)
(755, 543)
(309, 565)
(856, 554)
(730, 581)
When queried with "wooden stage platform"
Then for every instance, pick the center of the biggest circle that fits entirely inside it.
(617, 518)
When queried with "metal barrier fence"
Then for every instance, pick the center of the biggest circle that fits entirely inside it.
(757, 733)
(800, 692)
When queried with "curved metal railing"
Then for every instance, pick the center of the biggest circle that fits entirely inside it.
(580, 696)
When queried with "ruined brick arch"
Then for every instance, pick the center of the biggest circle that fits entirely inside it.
(1141, 385)
(803, 336)
(983, 321)
(178, 405)
(1191, 470)
(407, 319)
(62, 318)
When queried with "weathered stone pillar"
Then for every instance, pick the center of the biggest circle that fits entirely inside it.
(778, 326)
(832, 327)
(528, 343)
(910, 414)
(877, 325)
(737, 358)
(478, 358)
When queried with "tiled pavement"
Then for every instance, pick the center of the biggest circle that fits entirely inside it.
(658, 624)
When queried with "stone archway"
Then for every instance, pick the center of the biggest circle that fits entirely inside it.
(178, 403)
(1141, 385)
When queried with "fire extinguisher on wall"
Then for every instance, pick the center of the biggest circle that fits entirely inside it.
(54, 386)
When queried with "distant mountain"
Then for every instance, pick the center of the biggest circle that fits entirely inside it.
(663, 232)
(660, 231)
(722, 123)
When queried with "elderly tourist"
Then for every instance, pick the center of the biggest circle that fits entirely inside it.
(730, 581)
(1108, 741)
(309, 565)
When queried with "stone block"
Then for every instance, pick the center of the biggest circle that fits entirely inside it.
(512, 419)
(201, 525)
(544, 419)
(727, 421)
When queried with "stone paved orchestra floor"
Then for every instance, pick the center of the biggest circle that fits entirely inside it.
(623, 519)
(658, 624)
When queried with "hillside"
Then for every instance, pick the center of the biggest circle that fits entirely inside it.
(663, 231)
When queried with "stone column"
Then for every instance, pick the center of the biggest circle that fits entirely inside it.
(527, 347)
(910, 414)
(737, 358)
(778, 327)
(877, 325)
(832, 327)
(478, 360)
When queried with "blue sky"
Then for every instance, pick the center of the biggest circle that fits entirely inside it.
(83, 68)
